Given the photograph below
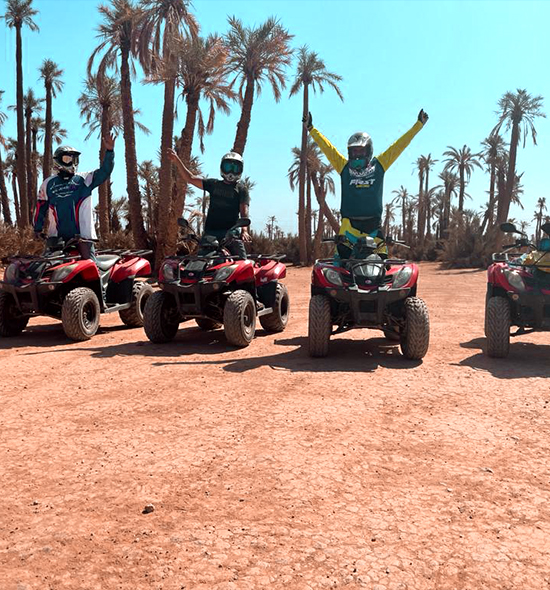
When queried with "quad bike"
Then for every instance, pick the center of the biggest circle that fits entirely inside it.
(367, 291)
(62, 285)
(518, 291)
(217, 288)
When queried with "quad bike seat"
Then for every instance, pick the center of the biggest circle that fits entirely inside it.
(106, 261)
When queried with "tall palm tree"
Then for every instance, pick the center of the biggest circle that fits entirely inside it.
(161, 28)
(463, 162)
(539, 216)
(402, 197)
(450, 187)
(256, 55)
(494, 149)
(51, 74)
(4, 200)
(517, 111)
(270, 226)
(117, 33)
(32, 104)
(58, 133)
(388, 217)
(20, 13)
(310, 71)
(11, 169)
(149, 173)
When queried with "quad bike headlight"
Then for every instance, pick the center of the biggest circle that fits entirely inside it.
(333, 276)
(168, 271)
(225, 272)
(515, 280)
(402, 277)
(62, 273)
(12, 272)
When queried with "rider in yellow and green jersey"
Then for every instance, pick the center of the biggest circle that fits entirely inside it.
(362, 178)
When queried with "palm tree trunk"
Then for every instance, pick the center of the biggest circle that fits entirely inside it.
(404, 218)
(34, 167)
(104, 187)
(462, 191)
(4, 199)
(16, 200)
(321, 199)
(427, 206)
(46, 164)
(28, 160)
(302, 227)
(134, 199)
(20, 156)
(244, 121)
(506, 198)
(419, 221)
(318, 235)
(308, 217)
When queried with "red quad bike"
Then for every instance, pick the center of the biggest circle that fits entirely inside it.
(217, 288)
(518, 291)
(61, 285)
(367, 291)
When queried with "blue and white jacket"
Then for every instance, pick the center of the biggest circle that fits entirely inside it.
(68, 204)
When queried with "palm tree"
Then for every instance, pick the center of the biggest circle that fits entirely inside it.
(256, 55)
(270, 226)
(4, 200)
(58, 133)
(494, 149)
(517, 111)
(450, 186)
(310, 71)
(149, 173)
(11, 168)
(117, 34)
(18, 14)
(388, 217)
(51, 74)
(539, 215)
(402, 197)
(31, 105)
(462, 162)
(202, 75)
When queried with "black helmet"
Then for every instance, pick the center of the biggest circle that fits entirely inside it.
(231, 167)
(360, 150)
(65, 160)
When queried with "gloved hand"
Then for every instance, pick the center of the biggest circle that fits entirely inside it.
(308, 121)
(422, 116)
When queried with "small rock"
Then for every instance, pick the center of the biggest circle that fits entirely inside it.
(148, 509)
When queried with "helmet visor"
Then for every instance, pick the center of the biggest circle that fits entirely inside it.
(231, 166)
(357, 152)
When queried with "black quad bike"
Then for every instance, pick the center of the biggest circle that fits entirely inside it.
(367, 290)
(62, 285)
(518, 291)
(217, 288)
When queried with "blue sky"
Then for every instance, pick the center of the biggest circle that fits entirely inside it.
(453, 58)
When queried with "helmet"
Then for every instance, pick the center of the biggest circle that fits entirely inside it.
(232, 166)
(360, 149)
(65, 160)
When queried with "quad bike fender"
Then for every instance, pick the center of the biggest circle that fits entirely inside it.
(272, 271)
(244, 273)
(85, 269)
(130, 268)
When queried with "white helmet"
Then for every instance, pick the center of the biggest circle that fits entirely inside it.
(65, 160)
(231, 167)
(360, 148)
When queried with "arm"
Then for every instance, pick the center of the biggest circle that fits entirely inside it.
(99, 176)
(333, 155)
(388, 157)
(42, 203)
(187, 175)
(244, 211)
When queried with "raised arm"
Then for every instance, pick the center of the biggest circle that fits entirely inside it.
(337, 160)
(388, 157)
(186, 174)
(99, 176)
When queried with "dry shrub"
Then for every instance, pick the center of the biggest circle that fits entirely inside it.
(14, 241)
(465, 246)
(261, 244)
(116, 240)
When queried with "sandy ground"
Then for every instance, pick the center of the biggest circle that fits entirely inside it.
(268, 469)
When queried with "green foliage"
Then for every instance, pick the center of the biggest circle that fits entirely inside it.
(465, 246)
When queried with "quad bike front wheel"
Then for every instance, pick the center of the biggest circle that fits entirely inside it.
(133, 316)
(497, 327)
(278, 319)
(12, 322)
(80, 314)
(160, 317)
(415, 338)
(319, 326)
(239, 318)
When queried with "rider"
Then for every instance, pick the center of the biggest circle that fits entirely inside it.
(362, 178)
(65, 197)
(229, 198)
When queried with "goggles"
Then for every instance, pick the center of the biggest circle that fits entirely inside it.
(229, 166)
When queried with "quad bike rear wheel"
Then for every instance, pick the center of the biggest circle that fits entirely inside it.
(12, 322)
(497, 327)
(207, 325)
(319, 326)
(278, 319)
(80, 314)
(415, 338)
(239, 318)
(133, 316)
(160, 317)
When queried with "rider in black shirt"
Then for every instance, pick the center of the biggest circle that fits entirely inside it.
(229, 198)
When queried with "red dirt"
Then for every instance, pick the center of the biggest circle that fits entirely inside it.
(268, 469)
